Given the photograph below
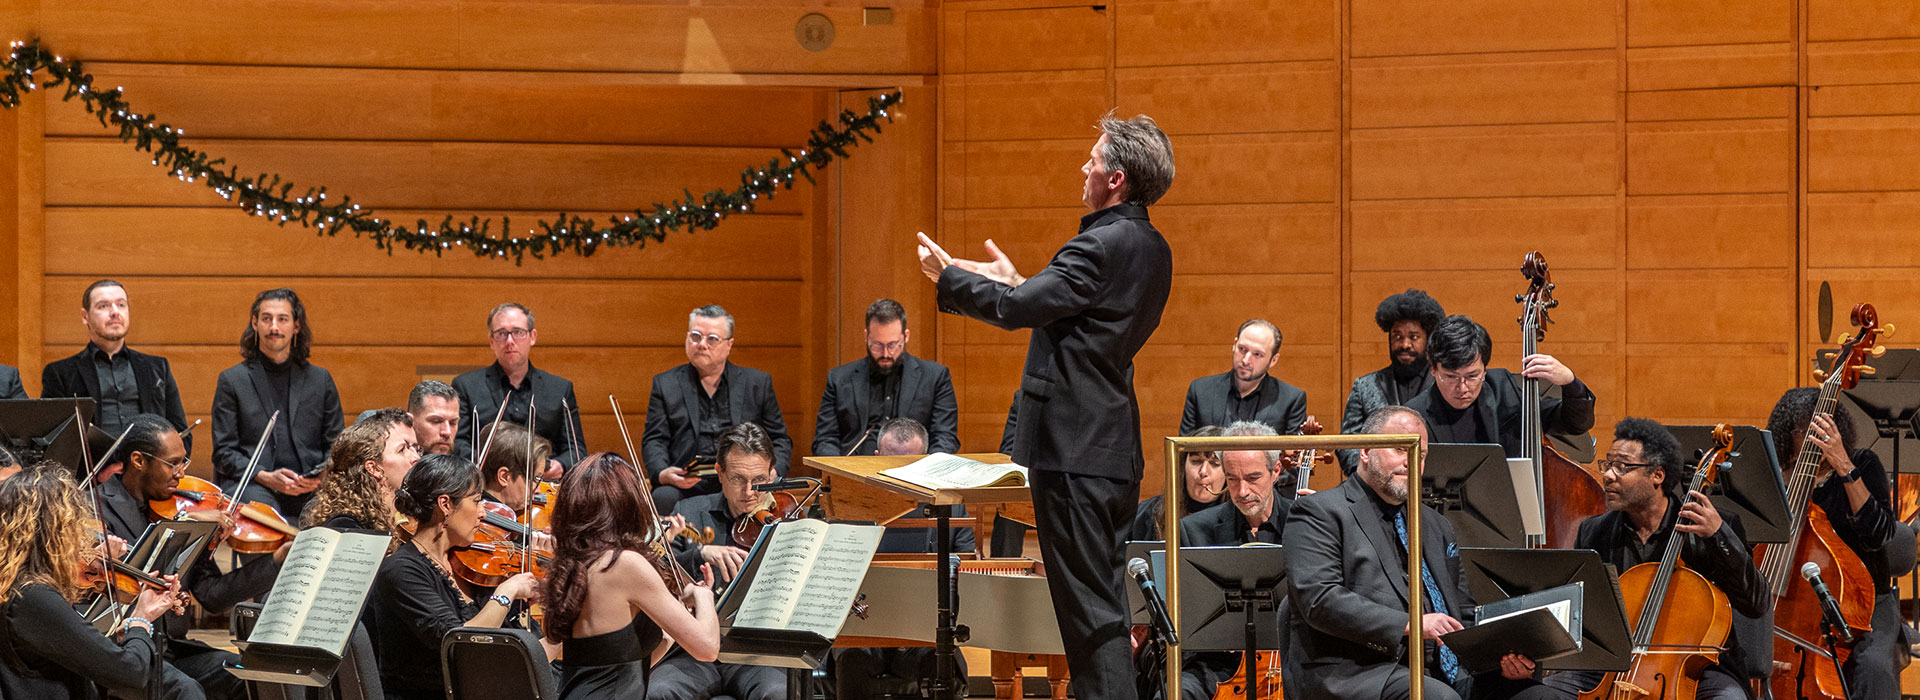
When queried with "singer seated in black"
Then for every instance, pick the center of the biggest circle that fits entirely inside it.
(606, 599)
(746, 458)
(367, 465)
(47, 651)
(1852, 490)
(416, 599)
(1642, 473)
(1204, 484)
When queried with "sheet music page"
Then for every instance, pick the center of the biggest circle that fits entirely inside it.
(295, 587)
(1562, 611)
(1532, 521)
(944, 471)
(342, 587)
(827, 596)
(783, 568)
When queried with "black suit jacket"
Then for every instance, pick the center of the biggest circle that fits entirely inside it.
(482, 389)
(241, 407)
(1223, 526)
(126, 518)
(1283, 406)
(1350, 590)
(926, 395)
(1498, 408)
(1091, 309)
(673, 407)
(73, 377)
(10, 387)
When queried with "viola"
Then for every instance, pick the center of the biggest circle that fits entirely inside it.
(499, 550)
(1680, 621)
(777, 506)
(1567, 492)
(257, 528)
(539, 510)
(1797, 612)
(1267, 666)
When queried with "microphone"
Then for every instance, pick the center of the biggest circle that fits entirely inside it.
(1829, 608)
(1156, 606)
(785, 485)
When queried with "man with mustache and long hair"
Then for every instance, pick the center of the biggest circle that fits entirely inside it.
(275, 374)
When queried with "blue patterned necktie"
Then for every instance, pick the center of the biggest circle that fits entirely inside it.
(1449, 664)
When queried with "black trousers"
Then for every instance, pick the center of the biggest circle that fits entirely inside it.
(1082, 522)
(207, 668)
(1873, 667)
(682, 677)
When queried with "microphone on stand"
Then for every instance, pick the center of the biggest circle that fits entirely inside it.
(1156, 606)
(1829, 608)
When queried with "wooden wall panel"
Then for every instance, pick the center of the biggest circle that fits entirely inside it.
(1722, 156)
(1711, 231)
(1576, 86)
(1415, 27)
(1232, 99)
(1481, 234)
(1505, 161)
(1170, 32)
(1699, 22)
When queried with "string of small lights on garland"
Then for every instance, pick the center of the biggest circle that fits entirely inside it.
(267, 195)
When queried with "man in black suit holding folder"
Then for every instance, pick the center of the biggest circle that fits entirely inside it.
(1091, 309)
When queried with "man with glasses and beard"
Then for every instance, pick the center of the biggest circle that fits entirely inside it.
(888, 383)
(276, 375)
(510, 380)
(1470, 402)
(1407, 318)
(691, 405)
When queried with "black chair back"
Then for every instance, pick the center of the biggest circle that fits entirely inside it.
(490, 663)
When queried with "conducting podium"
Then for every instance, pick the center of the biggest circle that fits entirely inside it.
(942, 482)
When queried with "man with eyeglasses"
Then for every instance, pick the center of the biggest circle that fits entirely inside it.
(276, 375)
(153, 457)
(690, 406)
(1642, 474)
(512, 379)
(1470, 402)
(888, 383)
(745, 455)
(1407, 318)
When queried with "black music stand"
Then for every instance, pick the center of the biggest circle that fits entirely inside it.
(1154, 552)
(169, 547)
(1472, 485)
(36, 429)
(1606, 643)
(801, 653)
(1751, 487)
(1251, 581)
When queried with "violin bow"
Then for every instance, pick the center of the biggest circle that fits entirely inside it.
(526, 535)
(481, 458)
(655, 532)
(253, 466)
(573, 439)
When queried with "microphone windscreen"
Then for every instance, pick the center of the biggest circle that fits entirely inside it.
(1809, 570)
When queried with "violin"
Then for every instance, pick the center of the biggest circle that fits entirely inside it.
(539, 510)
(499, 551)
(776, 507)
(257, 528)
(1680, 620)
(1797, 610)
(1567, 492)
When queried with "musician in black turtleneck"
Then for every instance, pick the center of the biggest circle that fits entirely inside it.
(1407, 318)
(1471, 402)
(276, 375)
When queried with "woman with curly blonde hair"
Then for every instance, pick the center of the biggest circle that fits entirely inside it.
(368, 463)
(47, 650)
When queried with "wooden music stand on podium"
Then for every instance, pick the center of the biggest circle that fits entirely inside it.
(866, 471)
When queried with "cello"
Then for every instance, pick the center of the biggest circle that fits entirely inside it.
(1566, 492)
(1798, 656)
(1679, 619)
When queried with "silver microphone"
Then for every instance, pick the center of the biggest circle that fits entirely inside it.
(1829, 607)
(1156, 606)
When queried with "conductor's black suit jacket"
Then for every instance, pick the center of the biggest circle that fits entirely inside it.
(1350, 590)
(926, 395)
(1091, 310)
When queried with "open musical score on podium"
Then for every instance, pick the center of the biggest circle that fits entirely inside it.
(313, 607)
(944, 471)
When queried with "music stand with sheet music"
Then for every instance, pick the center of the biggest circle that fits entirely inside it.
(169, 547)
(34, 429)
(1472, 485)
(1750, 486)
(1499, 574)
(1238, 608)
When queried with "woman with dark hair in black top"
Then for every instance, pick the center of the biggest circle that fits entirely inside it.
(416, 600)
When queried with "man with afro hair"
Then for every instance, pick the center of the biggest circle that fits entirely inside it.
(1407, 318)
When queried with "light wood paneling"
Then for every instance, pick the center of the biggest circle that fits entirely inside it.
(1697, 22)
(1502, 161)
(1170, 32)
(1526, 88)
(1414, 27)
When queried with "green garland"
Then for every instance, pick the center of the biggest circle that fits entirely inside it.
(271, 197)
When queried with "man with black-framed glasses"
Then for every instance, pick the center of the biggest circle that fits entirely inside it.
(1472, 402)
(887, 383)
(511, 377)
(689, 406)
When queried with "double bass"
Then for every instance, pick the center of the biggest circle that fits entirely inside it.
(1567, 492)
(1679, 619)
(1801, 666)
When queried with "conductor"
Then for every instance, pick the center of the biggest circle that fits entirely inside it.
(1092, 308)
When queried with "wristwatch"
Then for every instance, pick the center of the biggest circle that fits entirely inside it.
(1848, 477)
(502, 599)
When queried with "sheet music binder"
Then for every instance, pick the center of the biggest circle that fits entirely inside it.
(1535, 633)
(290, 664)
(757, 646)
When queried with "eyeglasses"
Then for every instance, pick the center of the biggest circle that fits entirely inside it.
(1462, 381)
(887, 347)
(1619, 468)
(698, 338)
(172, 468)
(506, 334)
(743, 482)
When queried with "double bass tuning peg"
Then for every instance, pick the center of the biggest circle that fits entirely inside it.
(1865, 369)
(1886, 330)
(1879, 350)
(1519, 298)
(1820, 375)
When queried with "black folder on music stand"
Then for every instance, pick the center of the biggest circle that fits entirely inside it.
(1471, 484)
(1751, 487)
(1499, 574)
(36, 429)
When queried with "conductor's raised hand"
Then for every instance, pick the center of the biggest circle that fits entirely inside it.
(933, 259)
(998, 269)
